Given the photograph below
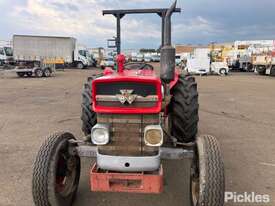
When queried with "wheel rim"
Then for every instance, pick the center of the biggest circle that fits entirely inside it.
(195, 182)
(195, 189)
(80, 66)
(222, 72)
(47, 73)
(66, 172)
(39, 73)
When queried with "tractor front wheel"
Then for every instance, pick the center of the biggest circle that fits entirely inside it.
(207, 174)
(183, 110)
(88, 116)
(56, 172)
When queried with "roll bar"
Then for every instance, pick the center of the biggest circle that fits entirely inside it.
(164, 13)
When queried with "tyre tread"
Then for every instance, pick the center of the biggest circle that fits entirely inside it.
(213, 193)
(88, 116)
(184, 109)
(42, 166)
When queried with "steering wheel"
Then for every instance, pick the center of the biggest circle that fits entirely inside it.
(138, 66)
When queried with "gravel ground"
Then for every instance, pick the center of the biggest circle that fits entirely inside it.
(238, 109)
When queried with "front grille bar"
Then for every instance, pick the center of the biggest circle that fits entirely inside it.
(112, 98)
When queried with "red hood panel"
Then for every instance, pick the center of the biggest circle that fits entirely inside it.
(131, 73)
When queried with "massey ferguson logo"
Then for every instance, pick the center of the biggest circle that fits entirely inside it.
(126, 96)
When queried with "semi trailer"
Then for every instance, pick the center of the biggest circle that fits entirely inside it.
(32, 53)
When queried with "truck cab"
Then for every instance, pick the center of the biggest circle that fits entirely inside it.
(107, 62)
(156, 58)
(6, 55)
(140, 58)
(134, 57)
(82, 57)
(147, 57)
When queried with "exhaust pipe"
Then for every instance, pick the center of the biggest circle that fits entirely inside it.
(168, 53)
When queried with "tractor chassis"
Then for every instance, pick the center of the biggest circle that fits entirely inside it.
(139, 182)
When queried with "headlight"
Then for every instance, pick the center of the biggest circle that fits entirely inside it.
(100, 134)
(153, 135)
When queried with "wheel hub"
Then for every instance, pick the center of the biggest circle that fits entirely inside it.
(65, 175)
(47, 73)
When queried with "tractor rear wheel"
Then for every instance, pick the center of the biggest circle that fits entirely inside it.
(88, 116)
(183, 110)
(207, 182)
(56, 172)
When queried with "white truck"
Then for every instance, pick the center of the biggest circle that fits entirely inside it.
(6, 54)
(107, 62)
(29, 53)
(245, 62)
(82, 57)
(156, 57)
(147, 57)
(140, 57)
(97, 54)
(134, 56)
(199, 63)
(264, 64)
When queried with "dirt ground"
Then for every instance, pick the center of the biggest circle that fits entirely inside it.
(238, 109)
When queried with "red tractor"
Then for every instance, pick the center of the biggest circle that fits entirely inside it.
(133, 118)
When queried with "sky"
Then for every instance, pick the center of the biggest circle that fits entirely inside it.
(201, 21)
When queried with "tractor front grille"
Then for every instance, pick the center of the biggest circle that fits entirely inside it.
(127, 134)
(144, 94)
(113, 88)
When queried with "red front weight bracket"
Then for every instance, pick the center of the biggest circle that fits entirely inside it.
(143, 182)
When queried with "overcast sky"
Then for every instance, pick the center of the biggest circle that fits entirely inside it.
(201, 22)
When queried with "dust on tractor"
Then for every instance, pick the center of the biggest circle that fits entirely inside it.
(133, 119)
